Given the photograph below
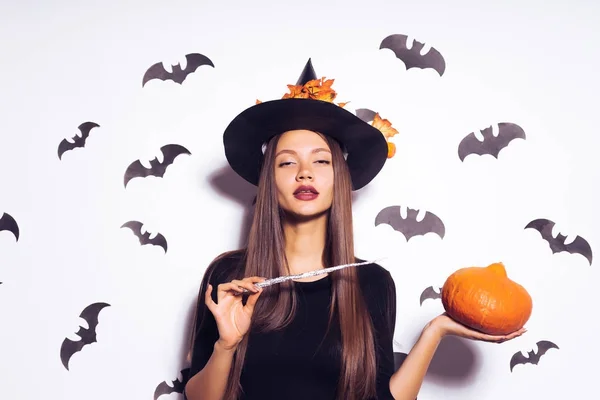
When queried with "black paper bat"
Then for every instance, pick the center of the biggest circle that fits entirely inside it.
(87, 335)
(412, 57)
(8, 223)
(491, 144)
(169, 152)
(399, 358)
(578, 246)
(78, 141)
(365, 114)
(430, 293)
(409, 226)
(532, 357)
(136, 228)
(177, 386)
(158, 71)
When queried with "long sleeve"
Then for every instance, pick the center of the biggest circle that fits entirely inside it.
(380, 292)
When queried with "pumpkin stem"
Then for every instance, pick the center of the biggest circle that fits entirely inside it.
(498, 268)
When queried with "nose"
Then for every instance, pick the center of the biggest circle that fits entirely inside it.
(304, 173)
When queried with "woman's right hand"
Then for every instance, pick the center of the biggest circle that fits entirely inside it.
(232, 317)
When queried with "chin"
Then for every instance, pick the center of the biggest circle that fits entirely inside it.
(306, 213)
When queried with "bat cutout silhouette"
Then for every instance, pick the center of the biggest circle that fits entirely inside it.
(557, 245)
(157, 169)
(8, 223)
(365, 114)
(491, 144)
(136, 228)
(409, 226)
(87, 335)
(412, 57)
(158, 71)
(532, 357)
(177, 386)
(78, 141)
(430, 293)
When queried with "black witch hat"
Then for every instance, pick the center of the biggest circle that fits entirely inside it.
(365, 145)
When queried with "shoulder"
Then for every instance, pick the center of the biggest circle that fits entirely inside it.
(379, 291)
(374, 277)
(377, 285)
(225, 267)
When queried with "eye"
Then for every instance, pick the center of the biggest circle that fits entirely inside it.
(285, 163)
(327, 162)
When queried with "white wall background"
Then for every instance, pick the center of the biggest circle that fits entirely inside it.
(532, 63)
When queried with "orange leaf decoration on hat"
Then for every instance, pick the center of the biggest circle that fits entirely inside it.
(385, 127)
(320, 89)
(316, 89)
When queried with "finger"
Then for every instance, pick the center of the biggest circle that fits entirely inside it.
(208, 298)
(252, 299)
(255, 279)
(225, 289)
(495, 338)
(246, 284)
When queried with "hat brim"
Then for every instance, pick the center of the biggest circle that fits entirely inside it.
(366, 147)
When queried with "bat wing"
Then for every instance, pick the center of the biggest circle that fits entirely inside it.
(156, 71)
(518, 358)
(78, 141)
(412, 57)
(434, 59)
(507, 132)
(511, 131)
(178, 385)
(580, 246)
(163, 388)
(170, 152)
(136, 170)
(365, 114)
(389, 216)
(469, 145)
(433, 223)
(86, 127)
(159, 240)
(68, 348)
(543, 226)
(90, 314)
(135, 226)
(8, 223)
(429, 293)
(544, 346)
(65, 146)
(195, 61)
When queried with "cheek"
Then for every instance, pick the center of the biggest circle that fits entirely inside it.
(284, 180)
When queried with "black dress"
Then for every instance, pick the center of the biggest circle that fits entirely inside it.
(297, 363)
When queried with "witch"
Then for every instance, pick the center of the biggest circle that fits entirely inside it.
(326, 336)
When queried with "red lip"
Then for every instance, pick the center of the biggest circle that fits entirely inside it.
(305, 188)
(306, 193)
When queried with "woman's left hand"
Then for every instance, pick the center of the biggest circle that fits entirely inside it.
(445, 325)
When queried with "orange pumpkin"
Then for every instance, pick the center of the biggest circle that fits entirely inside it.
(485, 299)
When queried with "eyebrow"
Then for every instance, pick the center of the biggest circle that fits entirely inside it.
(317, 150)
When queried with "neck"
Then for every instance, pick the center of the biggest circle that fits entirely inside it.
(305, 243)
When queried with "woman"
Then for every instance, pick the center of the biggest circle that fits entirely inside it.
(324, 337)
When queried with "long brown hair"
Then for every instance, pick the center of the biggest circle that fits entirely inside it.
(265, 257)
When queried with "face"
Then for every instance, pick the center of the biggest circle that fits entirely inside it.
(303, 173)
